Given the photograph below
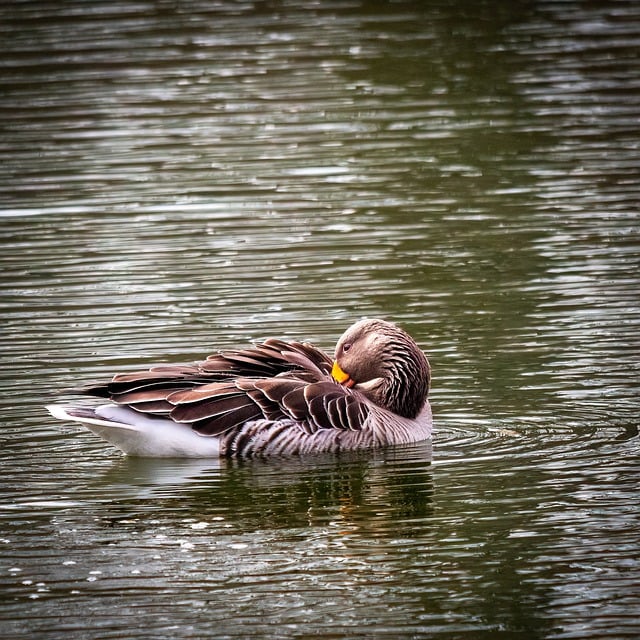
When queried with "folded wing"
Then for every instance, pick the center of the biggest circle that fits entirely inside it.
(272, 381)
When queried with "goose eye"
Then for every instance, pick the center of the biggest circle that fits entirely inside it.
(346, 347)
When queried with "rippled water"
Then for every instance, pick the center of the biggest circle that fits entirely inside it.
(175, 178)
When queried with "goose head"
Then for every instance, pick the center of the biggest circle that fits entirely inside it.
(384, 363)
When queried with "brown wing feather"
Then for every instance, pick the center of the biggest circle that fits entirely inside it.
(156, 378)
(223, 422)
(332, 406)
(271, 358)
(273, 381)
(210, 401)
(156, 408)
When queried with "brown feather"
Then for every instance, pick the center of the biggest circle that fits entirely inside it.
(204, 392)
(275, 389)
(157, 407)
(213, 405)
(280, 397)
(144, 394)
(215, 425)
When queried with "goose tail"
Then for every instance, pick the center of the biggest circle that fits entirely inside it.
(138, 435)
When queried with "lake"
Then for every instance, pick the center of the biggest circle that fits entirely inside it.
(178, 178)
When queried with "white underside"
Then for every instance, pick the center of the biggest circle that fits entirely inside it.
(138, 435)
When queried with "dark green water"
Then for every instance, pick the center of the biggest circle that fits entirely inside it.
(181, 177)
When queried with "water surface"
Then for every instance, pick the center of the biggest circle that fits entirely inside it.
(180, 178)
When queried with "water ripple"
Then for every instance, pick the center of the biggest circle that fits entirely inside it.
(174, 181)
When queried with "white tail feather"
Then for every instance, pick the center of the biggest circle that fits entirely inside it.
(138, 435)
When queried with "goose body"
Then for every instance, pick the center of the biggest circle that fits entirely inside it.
(276, 398)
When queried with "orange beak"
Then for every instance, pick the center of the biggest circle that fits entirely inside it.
(340, 376)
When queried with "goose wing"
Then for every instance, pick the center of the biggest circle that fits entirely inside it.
(148, 391)
(219, 407)
(274, 380)
(268, 359)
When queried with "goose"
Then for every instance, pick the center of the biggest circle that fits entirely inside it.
(276, 398)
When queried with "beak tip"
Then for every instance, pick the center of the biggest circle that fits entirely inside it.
(340, 376)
